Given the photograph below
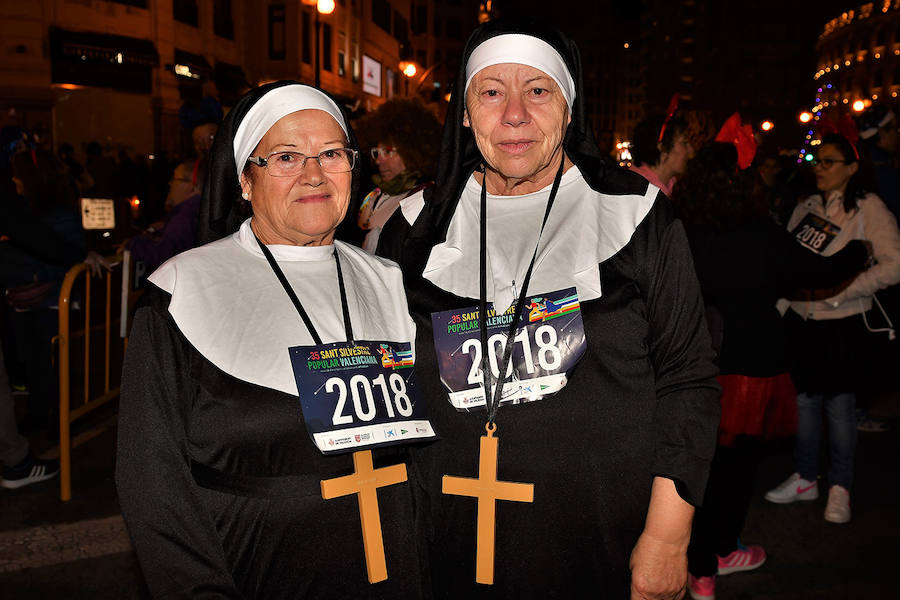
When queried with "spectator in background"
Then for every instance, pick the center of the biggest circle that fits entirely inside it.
(878, 146)
(42, 238)
(20, 466)
(103, 171)
(879, 143)
(661, 150)
(74, 169)
(179, 233)
(771, 186)
(827, 329)
(745, 262)
(606, 142)
(202, 119)
(404, 138)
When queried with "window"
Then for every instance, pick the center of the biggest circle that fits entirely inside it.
(327, 63)
(276, 32)
(381, 14)
(185, 11)
(305, 38)
(422, 58)
(355, 72)
(420, 19)
(137, 3)
(342, 70)
(437, 26)
(223, 20)
(401, 28)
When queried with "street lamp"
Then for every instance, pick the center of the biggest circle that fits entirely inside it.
(408, 68)
(805, 117)
(323, 7)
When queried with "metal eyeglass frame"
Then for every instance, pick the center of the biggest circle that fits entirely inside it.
(260, 161)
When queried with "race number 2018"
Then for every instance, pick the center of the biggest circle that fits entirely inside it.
(547, 344)
(815, 233)
(361, 394)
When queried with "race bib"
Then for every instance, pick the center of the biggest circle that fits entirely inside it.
(357, 395)
(815, 233)
(548, 344)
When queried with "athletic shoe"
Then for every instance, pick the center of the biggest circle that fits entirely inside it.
(838, 508)
(745, 558)
(702, 588)
(31, 470)
(794, 488)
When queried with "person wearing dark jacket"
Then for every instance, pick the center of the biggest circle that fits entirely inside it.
(179, 233)
(745, 263)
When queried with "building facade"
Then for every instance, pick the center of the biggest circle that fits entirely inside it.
(118, 71)
(859, 58)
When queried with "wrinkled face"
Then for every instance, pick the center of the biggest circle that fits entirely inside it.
(305, 208)
(390, 164)
(518, 116)
(836, 176)
(676, 158)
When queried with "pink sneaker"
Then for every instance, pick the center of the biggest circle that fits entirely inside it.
(745, 558)
(702, 588)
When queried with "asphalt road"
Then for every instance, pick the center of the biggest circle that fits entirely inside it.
(79, 549)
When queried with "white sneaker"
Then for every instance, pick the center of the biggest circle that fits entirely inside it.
(794, 488)
(838, 508)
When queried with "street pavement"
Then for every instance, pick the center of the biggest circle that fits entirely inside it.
(79, 549)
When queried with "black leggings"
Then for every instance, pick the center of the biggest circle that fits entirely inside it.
(718, 523)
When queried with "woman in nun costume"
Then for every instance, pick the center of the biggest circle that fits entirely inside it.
(608, 405)
(218, 475)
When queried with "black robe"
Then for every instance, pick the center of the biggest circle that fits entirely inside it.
(643, 402)
(197, 535)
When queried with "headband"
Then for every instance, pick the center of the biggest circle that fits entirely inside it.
(278, 103)
(522, 49)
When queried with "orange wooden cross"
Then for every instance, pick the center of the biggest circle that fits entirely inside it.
(488, 490)
(364, 482)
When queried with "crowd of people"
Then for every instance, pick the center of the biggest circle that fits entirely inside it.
(633, 336)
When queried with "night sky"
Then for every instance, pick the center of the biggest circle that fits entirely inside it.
(754, 57)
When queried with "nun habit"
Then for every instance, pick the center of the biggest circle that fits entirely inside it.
(641, 402)
(217, 476)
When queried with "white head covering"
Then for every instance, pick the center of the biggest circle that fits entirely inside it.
(270, 108)
(522, 49)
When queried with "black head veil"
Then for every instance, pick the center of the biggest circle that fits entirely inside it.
(460, 155)
(220, 213)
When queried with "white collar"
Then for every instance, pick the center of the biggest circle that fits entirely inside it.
(585, 228)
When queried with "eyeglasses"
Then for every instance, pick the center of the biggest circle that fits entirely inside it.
(827, 163)
(382, 152)
(287, 164)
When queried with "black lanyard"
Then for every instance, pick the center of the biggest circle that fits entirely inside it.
(493, 403)
(290, 292)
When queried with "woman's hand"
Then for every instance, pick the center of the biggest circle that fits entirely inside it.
(658, 569)
(97, 263)
(659, 559)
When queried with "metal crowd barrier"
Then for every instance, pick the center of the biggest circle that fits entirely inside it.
(91, 333)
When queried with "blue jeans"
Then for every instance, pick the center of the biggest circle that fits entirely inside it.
(840, 409)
